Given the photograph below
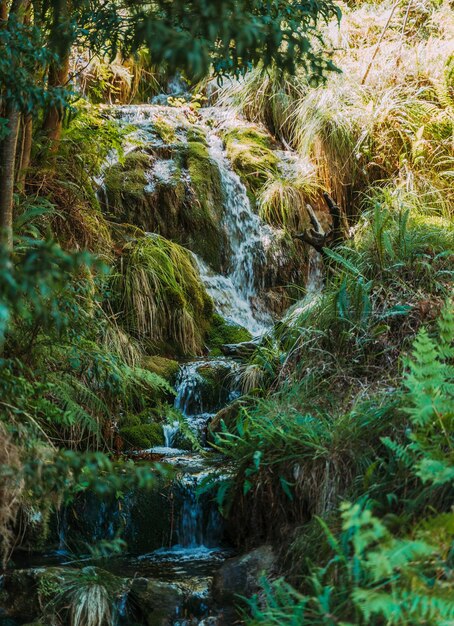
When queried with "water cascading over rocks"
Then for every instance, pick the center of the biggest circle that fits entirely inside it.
(176, 181)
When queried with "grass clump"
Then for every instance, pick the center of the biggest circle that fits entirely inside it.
(87, 596)
(282, 200)
(158, 293)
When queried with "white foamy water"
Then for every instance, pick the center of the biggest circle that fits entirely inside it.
(236, 293)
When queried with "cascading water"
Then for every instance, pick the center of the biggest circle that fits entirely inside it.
(185, 543)
(235, 294)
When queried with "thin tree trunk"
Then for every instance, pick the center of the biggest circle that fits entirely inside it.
(7, 168)
(8, 146)
(27, 132)
(3, 11)
(58, 77)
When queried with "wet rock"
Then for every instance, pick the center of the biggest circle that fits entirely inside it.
(155, 600)
(227, 415)
(241, 350)
(205, 386)
(224, 332)
(240, 576)
(19, 595)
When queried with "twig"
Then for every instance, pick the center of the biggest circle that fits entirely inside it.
(377, 47)
(402, 35)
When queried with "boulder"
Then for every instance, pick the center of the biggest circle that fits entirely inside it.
(164, 367)
(227, 415)
(241, 350)
(156, 600)
(19, 595)
(240, 576)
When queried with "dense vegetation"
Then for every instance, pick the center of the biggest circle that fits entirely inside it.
(340, 449)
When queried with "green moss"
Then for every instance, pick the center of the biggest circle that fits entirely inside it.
(130, 420)
(142, 436)
(196, 134)
(205, 212)
(125, 184)
(167, 368)
(165, 131)
(222, 332)
(250, 152)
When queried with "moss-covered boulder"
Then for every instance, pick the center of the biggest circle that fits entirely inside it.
(171, 187)
(241, 575)
(164, 367)
(215, 384)
(250, 151)
(142, 436)
(223, 332)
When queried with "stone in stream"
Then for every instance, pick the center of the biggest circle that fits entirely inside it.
(241, 350)
(227, 415)
(156, 600)
(240, 576)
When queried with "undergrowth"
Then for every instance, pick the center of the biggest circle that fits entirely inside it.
(390, 563)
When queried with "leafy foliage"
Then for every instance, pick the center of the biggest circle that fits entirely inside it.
(379, 572)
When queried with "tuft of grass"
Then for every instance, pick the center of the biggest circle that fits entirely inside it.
(159, 296)
(282, 199)
(88, 595)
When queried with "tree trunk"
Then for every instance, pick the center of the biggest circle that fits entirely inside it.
(7, 167)
(58, 77)
(26, 149)
(3, 11)
(8, 146)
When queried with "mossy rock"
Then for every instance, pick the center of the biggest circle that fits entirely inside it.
(215, 387)
(185, 206)
(196, 134)
(223, 332)
(207, 238)
(130, 420)
(165, 130)
(127, 180)
(251, 154)
(164, 367)
(225, 418)
(142, 436)
(157, 600)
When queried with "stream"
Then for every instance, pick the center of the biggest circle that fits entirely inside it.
(175, 538)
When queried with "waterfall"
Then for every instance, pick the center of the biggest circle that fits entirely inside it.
(236, 294)
(181, 530)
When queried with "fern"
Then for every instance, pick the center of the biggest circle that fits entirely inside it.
(429, 403)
